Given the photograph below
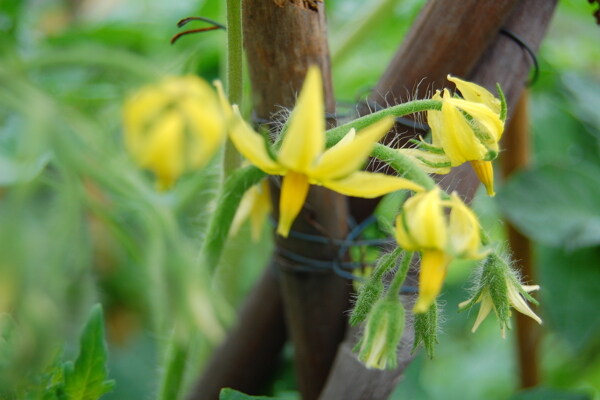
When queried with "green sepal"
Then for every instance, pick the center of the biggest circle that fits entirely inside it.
(371, 290)
(426, 329)
(422, 144)
(503, 105)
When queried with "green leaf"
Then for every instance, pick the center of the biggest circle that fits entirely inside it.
(550, 394)
(230, 394)
(555, 205)
(570, 295)
(86, 379)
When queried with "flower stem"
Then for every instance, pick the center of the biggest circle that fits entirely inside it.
(334, 135)
(234, 188)
(231, 158)
(403, 165)
(400, 276)
(171, 383)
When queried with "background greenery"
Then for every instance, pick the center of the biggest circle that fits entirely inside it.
(79, 224)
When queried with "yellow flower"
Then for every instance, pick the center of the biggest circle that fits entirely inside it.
(173, 127)
(302, 159)
(256, 205)
(424, 226)
(466, 129)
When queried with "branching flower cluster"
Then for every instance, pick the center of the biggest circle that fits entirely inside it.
(179, 125)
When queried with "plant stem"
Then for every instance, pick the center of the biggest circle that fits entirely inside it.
(231, 158)
(334, 135)
(175, 367)
(403, 165)
(229, 199)
(400, 276)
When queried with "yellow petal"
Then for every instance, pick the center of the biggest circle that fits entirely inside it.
(252, 146)
(458, 139)
(425, 220)
(484, 116)
(517, 301)
(225, 106)
(433, 271)
(139, 112)
(206, 130)
(368, 185)
(486, 306)
(485, 173)
(403, 235)
(260, 210)
(294, 189)
(163, 148)
(304, 139)
(435, 122)
(478, 94)
(347, 157)
(463, 230)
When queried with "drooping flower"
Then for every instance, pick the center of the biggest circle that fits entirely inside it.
(256, 206)
(466, 129)
(499, 289)
(424, 226)
(173, 127)
(302, 159)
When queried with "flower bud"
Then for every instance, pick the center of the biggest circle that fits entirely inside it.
(498, 287)
(370, 291)
(383, 331)
(426, 328)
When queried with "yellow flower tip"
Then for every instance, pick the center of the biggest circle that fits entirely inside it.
(434, 265)
(485, 173)
(294, 190)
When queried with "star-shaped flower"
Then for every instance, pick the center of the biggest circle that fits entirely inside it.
(302, 159)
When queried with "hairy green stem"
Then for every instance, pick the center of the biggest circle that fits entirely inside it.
(400, 276)
(231, 158)
(334, 135)
(170, 385)
(403, 165)
(231, 195)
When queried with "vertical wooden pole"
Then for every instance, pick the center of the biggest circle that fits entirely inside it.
(282, 39)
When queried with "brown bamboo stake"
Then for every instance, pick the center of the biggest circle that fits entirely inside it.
(282, 39)
(517, 143)
(245, 360)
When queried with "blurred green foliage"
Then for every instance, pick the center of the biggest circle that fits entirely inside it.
(79, 223)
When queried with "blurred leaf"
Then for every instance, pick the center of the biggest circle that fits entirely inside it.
(555, 205)
(230, 394)
(13, 171)
(549, 394)
(86, 379)
(570, 294)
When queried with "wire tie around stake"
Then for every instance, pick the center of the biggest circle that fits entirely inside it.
(337, 265)
(528, 50)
